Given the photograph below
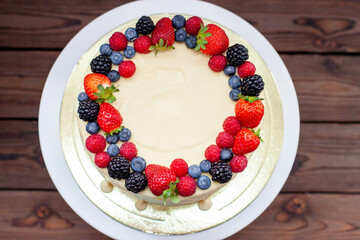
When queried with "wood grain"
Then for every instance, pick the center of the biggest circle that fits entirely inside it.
(328, 87)
(327, 159)
(21, 162)
(307, 216)
(45, 215)
(325, 26)
(40, 215)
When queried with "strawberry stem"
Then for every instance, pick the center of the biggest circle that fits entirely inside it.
(202, 34)
(172, 192)
(160, 46)
(106, 94)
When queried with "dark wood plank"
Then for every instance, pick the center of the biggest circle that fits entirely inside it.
(327, 159)
(45, 215)
(22, 78)
(327, 86)
(21, 162)
(41, 215)
(307, 216)
(326, 26)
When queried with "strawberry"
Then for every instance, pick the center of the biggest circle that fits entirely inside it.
(109, 118)
(159, 178)
(163, 36)
(99, 88)
(212, 40)
(249, 111)
(246, 141)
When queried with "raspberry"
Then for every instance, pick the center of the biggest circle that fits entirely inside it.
(225, 140)
(142, 44)
(212, 153)
(238, 163)
(118, 41)
(102, 159)
(246, 69)
(179, 166)
(95, 143)
(217, 63)
(232, 125)
(127, 69)
(186, 186)
(192, 25)
(128, 150)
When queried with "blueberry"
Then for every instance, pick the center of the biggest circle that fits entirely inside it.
(92, 127)
(190, 41)
(203, 182)
(226, 154)
(113, 150)
(180, 35)
(131, 34)
(129, 52)
(234, 94)
(82, 96)
(205, 165)
(113, 75)
(112, 139)
(105, 49)
(124, 135)
(229, 70)
(138, 164)
(116, 58)
(194, 171)
(178, 21)
(235, 82)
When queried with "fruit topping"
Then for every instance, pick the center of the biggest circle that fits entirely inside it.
(129, 52)
(82, 96)
(101, 64)
(234, 94)
(194, 171)
(145, 25)
(180, 35)
(178, 21)
(225, 140)
(127, 69)
(186, 186)
(95, 143)
(88, 110)
(113, 76)
(117, 58)
(136, 182)
(193, 25)
(92, 127)
(179, 166)
(235, 82)
(229, 70)
(232, 125)
(212, 153)
(246, 69)
(221, 172)
(238, 163)
(138, 164)
(205, 165)
(119, 168)
(112, 150)
(212, 40)
(124, 134)
(102, 159)
(118, 41)
(99, 88)
(163, 36)
(217, 63)
(131, 34)
(105, 49)
(112, 139)
(252, 85)
(249, 111)
(159, 178)
(237, 54)
(246, 141)
(142, 44)
(203, 182)
(190, 41)
(226, 155)
(109, 118)
(128, 150)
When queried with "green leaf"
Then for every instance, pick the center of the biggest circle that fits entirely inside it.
(152, 48)
(207, 35)
(197, 48)
(174, 198)
(161, 42)
(101, 88)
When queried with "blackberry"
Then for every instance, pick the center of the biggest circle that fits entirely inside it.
(119, 168)
(136, 183)
(88, 110)
(252, 85)
(237, 54)
(220, 172)
(101, 64)
(145, 25)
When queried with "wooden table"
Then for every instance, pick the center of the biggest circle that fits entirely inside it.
(319, 42)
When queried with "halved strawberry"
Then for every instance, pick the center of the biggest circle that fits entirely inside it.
(212, 40)
(109, 119)
(99, 88)
(163, 36)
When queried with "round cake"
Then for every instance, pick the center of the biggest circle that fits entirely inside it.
(170, 109)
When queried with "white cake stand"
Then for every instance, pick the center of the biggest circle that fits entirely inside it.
(51, 99)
